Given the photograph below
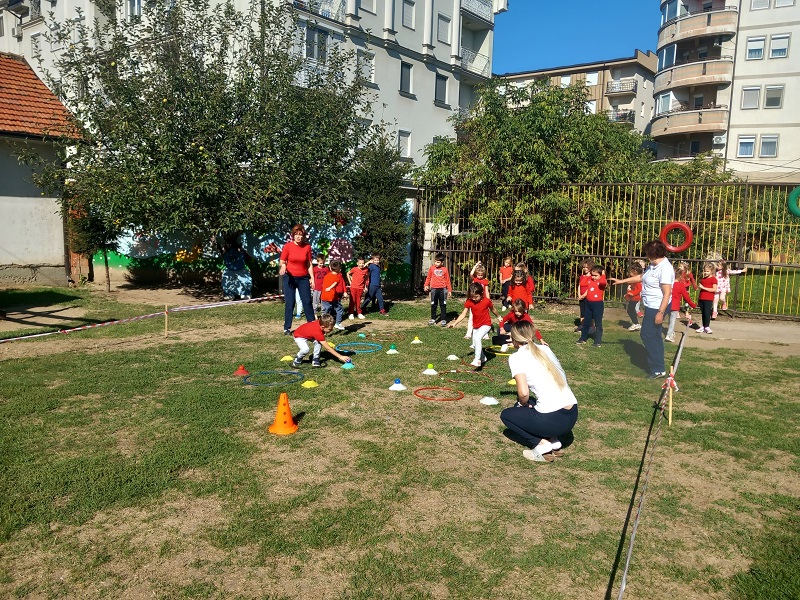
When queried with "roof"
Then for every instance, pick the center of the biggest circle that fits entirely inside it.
(648, 60)
(27, 106)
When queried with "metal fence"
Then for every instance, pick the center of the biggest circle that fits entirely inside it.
(747, 224)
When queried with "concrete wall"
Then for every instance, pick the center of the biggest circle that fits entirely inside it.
(31, 227)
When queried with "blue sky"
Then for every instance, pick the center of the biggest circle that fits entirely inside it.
(537, 34)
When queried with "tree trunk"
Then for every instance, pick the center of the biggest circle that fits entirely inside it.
(108, 272)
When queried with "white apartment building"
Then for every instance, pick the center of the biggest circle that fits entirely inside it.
(727, 77)
(622, 88)
(423, 58)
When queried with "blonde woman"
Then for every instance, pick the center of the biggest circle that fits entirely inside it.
(545, 422)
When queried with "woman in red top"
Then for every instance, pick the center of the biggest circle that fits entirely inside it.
(708, 289)
(297, 275)
(479, 306)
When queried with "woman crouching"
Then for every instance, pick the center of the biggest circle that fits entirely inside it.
(546, 409)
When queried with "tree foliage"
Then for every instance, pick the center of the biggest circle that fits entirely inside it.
(376, 178)
(203, 119)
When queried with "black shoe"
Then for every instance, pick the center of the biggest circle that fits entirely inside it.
(315, 363)
(296, 363)
(659, 375)
(287, 332)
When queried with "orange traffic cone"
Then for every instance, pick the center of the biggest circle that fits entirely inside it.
(241, 372)
(284, 423)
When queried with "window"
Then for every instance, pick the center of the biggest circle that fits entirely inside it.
(367, 5)
(769, 146)
(405, 77)
(747, 145)
(758, 4)
(404, 143)
(566, 80)
(591, 107)
(698, 102)
(773, 96)
(443, 29)
(751, 97)
(702, 52)
(755, 48)
(779, 46)
(408, 14)
(366, 66)
(707, 6)
(440, 93)
(591, 78)
(2, 27)
(36, 48)
(134, 8)
(694, 147)
(666, 58)
(780, 3)
(664, 103)
(316, 44)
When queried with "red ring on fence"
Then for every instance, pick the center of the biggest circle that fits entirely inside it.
(687, 232)
(448, 399)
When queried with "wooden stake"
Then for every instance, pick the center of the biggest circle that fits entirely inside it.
(166, 320)
(669, 404)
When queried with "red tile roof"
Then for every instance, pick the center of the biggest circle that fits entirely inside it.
(27, 106)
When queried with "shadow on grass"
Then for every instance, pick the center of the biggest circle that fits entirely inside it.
(635, 351)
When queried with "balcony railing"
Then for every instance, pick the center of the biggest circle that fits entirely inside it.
(621, 116)
(696, 71)
(476, 63)
(481, 8)
(721, 22)
(311, 70)
(624, 86)
(694, 13)
(710, 118)
(331, 9)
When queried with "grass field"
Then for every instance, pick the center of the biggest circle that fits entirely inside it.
(137, 466)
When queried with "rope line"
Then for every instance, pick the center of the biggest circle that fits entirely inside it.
(142, 317)
(668, 384)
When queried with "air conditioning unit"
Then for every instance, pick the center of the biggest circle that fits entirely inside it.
(719, 140)
(17, 32)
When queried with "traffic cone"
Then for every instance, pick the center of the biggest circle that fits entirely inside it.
(241, 372)
(284, 423)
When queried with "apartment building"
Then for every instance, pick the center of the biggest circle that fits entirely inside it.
(422, 58)
(622, 88)
(726, 82)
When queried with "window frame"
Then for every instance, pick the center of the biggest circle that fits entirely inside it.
(448, 21)
(411, 6)
(754, 7)
(568, 78)
(767, 88)
(406, 68)
(596, 78)
(757, 90)
(437, 80)
(779, 36)
(771, 137)
(755, 39)
(370, 9)
(788, 3)
(315, 50)
(590, 104)
(404, 149)
(747, 138)
(364, 58)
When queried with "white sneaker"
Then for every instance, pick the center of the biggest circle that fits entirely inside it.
(708, 330)
(467, 337)
(634, 327)
(360, 316)
(669, 338)
(339, 326)
(534, 455)
(351, 317)
(476, 363)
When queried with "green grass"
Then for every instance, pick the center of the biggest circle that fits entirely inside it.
(137, 465)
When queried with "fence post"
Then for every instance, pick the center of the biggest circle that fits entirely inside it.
(740, 235)
(632, 228)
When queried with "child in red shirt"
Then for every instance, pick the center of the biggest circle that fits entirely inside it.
(583, 285)
(708, 289)
(438, 282)
(594, 307)
(688, 281)
(478, 274)
(518, 314)
(518, 290)
(315, 330)
(633, 296)
(320, 270)
(333, 289)
(479, 306)
(678, 291)
(359, 279)
(506, 273)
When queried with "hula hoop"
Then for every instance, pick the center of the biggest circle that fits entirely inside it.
(361, 347)
(792, 202)
(687, 232)
(298, 377)
(486, 375)
(496, 350)
(448, 399)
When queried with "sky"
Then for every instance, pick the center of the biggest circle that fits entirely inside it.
(539, 34)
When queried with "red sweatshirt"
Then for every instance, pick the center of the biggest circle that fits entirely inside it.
(438, 277)
(634, 293)
(337, 292)
(679, 291)
(358, 277)
(595, 293)
(511, 318)
(484, 283)
(310, 331)
(708, 282)
(520, 292)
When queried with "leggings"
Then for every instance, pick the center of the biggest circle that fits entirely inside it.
(594, 311)
(534, 426)
(705, 309)
(630, 307)
(504, 293)
(439, 298)
(477, 340)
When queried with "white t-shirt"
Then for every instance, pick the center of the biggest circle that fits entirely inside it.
(652, 279)
(550, 397)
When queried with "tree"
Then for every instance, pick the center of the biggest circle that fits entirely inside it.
(380, 203)
(90, 233)
(204, 119)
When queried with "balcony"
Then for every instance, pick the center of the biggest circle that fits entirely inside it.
(621, 88)
(479, 8)
(475, 63)
(24, 8)
(621, 116)
(330, 9)
(720, 22)
(695, 72)
(710, 118)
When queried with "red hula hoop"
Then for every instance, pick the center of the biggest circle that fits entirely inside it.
(449, 399)
(687, 232)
